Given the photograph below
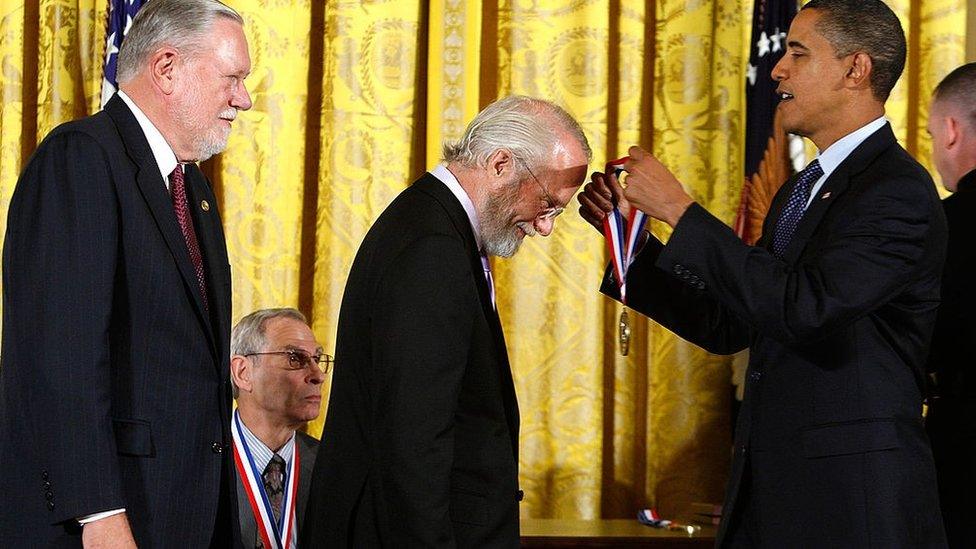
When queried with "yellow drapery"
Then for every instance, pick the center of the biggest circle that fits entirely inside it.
(352, 100)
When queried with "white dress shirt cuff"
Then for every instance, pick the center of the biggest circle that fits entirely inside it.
(98, 516)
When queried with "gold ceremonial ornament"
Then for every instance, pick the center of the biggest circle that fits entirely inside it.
(624, 332)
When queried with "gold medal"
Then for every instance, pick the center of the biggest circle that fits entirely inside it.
(624, 333)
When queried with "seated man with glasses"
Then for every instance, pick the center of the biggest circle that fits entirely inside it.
(277, 368)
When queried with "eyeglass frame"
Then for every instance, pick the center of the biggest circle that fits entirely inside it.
(553, 211)
(307, 359)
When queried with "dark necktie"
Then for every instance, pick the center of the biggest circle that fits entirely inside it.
(274, 484)
(795, 206)
(177, 190)
(491, 281)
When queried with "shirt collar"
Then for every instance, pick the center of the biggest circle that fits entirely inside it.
(162, 152)
(967, 182)
(447, 178)
(839, 151)
(261, 453)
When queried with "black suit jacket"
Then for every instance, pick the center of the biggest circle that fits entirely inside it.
(951, 358)
(951, 421)
(420, 446)
(307, 447)
(830, 428)
(114, 387)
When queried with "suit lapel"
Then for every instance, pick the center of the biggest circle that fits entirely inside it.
(249, 525)
(160, 205)
(209, 230)
(306, 448)
(834, 187)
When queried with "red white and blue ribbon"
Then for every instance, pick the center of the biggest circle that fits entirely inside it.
(622, 238)
(276, 535)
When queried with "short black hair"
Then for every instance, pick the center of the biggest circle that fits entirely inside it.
(867, 26)
(959, 89)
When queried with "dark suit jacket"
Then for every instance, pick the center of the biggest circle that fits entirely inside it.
(420, 446)
(307, 447)
(951, 422)
(838, 330)
(114, 387)
(951, 357)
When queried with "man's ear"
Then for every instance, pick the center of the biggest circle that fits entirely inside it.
(240, 373)
(953, 133)
(162, 69)
(501, 163)
(859, 72)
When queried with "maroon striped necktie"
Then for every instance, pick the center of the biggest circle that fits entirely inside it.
(177, 190)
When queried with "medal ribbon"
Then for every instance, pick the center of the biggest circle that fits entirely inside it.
(622, 240)
(269, 530)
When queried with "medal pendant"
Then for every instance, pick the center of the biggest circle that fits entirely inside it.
(624, 333)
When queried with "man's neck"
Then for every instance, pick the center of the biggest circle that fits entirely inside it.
(273, 435)
(849, 124)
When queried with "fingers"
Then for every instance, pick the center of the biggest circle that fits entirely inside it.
(636, 154)
(596, 200)
(615, 188)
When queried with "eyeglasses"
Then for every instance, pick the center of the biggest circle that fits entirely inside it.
(299, 360)
(552, 211)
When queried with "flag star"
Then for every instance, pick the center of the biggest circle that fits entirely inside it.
(763, 44)
(751, 74)
(777, 39)
(128, 23)
(110, 48)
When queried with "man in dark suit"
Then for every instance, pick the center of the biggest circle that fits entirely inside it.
(951, 421)
(277, 368)
(836, 302)
(114, 390)
(420, 447)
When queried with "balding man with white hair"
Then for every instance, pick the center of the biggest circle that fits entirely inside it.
(114, 390)
(420, 447)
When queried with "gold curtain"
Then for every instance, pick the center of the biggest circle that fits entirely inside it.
(353, 100)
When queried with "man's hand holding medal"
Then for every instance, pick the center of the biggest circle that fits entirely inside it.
(618, 201)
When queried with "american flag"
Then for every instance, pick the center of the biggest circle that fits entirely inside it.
(770, 21)
(120, 14)
(766, 160)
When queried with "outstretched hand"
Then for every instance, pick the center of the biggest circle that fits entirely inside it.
(653, 189)
(598, 198)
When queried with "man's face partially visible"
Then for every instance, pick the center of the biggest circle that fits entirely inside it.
(518, 209)
(811, 79)
(289, 396)
(938, 129)
(502, 230)
(212, 90)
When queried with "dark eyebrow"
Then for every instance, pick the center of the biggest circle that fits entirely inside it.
(797, 45)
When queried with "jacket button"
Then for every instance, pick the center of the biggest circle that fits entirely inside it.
(44, 475)
(700, 285)
(755, 375)
(520, 494)
(47, 485)
(49, 495)
(217, 448)
(50, 505)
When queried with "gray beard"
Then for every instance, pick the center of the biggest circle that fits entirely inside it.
(498, 236)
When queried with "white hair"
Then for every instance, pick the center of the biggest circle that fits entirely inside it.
(517, 123)
(180, 24)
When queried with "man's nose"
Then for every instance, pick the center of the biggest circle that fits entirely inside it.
(544, 226)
